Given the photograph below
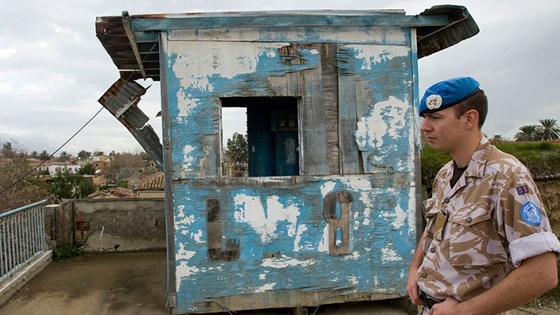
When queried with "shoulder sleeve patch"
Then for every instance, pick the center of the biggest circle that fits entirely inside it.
(521, 190)
(530, 213)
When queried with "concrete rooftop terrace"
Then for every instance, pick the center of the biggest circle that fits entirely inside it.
(123, 283)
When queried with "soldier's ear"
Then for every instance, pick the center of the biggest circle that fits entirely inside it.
(471, 119)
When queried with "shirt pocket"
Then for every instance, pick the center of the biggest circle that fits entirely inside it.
(473, 237)
(430, 214)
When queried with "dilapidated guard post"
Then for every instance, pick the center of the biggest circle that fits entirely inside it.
(330, 210)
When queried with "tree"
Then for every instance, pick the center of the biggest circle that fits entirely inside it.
(17, 187)
(64, 156)
(124, 166)
(8, 151)
(87, 169)
(68, 185)
(236, 149)
(84, 155)
(497, 139)
(527, 133)
(549, 129)
(44, 156)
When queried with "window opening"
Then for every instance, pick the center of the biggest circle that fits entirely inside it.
(271, 133)
(234, 141)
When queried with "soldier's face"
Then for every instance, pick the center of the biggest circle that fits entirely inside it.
(443, 130)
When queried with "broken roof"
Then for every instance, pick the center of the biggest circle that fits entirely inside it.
(133, 41)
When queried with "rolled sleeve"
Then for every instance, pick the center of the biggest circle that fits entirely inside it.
(533, 245)
(526, 238)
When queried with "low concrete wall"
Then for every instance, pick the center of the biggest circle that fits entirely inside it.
(59, 224)
(10, 286)
(115, 225)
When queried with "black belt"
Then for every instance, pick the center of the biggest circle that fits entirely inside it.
(428, 300)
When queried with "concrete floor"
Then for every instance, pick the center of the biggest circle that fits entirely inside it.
(124, 283)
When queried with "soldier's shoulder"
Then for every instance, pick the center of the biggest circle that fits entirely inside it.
(505, 164)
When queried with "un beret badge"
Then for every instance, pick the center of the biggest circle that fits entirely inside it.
(434, 101)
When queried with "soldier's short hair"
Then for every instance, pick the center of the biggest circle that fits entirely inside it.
(479, 102)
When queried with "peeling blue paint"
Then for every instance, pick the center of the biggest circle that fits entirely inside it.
(280, 225)
(304, 268)
(186, 131)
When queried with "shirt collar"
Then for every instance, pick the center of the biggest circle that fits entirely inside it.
(479, 158)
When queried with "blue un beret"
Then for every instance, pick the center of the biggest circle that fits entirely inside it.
(447, 93)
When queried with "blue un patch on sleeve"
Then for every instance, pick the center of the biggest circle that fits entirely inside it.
(530, 213)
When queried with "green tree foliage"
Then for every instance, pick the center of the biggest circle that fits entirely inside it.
(68, 185)
(549, 129)
(84, 155)
(546, 131)
(527, 133)
(44, 155)
(236, 149)
(542, 158)
(64, 156)
(87, 169)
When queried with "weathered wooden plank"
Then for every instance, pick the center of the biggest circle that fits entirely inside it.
(330, 97)
(276, 19)
(288, 299)
(373, 35)
(313, 129)
(348, 117)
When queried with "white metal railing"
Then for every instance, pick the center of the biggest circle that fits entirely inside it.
(22, 237)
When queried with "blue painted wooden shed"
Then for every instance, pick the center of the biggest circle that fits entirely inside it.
(329, 210)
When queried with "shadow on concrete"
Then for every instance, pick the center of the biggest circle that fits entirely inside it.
(120, 283)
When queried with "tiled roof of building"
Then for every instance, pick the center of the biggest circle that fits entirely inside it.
(154, 183)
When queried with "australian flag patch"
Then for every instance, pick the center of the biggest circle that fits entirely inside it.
(521, 190)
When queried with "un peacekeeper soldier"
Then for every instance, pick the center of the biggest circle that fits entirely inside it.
(488, 245)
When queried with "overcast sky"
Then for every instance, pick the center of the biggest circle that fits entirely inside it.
(53, 69)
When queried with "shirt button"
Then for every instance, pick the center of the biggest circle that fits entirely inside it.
(432, 250)
(446, 200)
(469, 220)
(424, 275)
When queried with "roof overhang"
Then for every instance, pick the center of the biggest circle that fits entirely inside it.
(133, 41)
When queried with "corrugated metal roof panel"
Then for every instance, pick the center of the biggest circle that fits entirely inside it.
(121, 99)
(433, 39)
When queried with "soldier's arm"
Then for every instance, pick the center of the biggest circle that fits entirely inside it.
(535, 276)
(411, 283)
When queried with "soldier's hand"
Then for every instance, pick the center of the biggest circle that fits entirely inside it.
(447, 307)
(412, 289)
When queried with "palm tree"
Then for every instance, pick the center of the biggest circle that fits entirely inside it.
(549, 129)
(527, 133)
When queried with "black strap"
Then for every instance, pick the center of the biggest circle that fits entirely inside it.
(428, 300)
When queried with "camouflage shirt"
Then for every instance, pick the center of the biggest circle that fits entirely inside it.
(482, 228)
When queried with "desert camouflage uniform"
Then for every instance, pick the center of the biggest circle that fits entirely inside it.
(483, 237)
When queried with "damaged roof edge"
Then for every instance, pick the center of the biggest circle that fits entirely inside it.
(461, 26)
(121, 100)
(133, 44)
